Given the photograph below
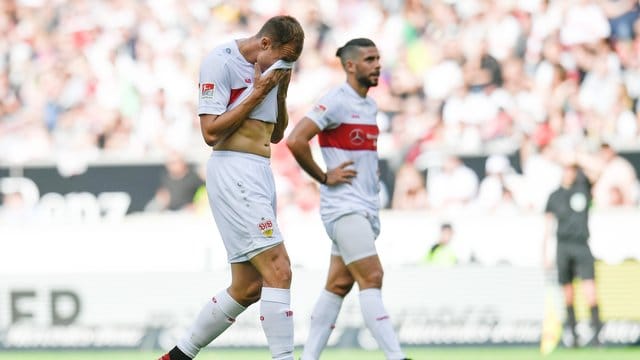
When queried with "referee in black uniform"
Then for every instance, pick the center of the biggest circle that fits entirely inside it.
(568, 209)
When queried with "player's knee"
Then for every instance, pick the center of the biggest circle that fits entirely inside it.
(254, 291)
(340, 287)
(280, 277)
(372, 279)
(247, 294)
(283, 277)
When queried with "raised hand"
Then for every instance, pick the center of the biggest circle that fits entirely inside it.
(264, 83)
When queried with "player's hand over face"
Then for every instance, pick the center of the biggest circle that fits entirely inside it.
(264, 83)
(341, 174)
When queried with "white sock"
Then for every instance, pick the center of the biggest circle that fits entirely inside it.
(214, 318)
(323, 320)
(378, 322)
(277, 322)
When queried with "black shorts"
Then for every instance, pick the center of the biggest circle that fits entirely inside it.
(574, 260)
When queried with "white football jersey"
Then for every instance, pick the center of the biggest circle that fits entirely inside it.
(226, 78)
(349, 132)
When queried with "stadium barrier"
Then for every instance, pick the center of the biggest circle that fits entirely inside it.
(137, 282)
(467, 305)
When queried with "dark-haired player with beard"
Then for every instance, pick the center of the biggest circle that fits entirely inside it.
(345, 122)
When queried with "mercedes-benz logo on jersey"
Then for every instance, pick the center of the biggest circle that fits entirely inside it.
(357, 137)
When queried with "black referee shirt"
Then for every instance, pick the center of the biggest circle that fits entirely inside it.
(571, 209)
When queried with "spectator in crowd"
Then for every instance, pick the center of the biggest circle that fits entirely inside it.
(499, 184)
(452, 186)
(178, 186)
(542, 175)
(409, 192)
(621, 15)
(85, 81)
(14, 209)
(617, 183)
(441, 253)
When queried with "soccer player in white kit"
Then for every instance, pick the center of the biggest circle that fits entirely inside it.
(243, 87)
(345, 122)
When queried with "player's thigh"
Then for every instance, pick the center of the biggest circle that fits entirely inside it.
(564, 264)
(339, 279)
(353, 238)
(584, 262)
(274, 266)
(246, 283)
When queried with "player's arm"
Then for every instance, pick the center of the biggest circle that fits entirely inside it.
(591, 166)
(217, 127)
(298, 143)
(283, 116)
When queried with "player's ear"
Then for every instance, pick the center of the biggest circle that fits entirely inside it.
(350, 66)
(265, 43)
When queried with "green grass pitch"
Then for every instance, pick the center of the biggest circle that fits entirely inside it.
(515, 353)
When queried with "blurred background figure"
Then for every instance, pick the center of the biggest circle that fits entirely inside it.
(617, 183)
(441, 253)
(542, 174)
(567, 212)
(410, 192)
(497, 188)
(14, 209)
(87, 82)
(178, 186)
(452, 186)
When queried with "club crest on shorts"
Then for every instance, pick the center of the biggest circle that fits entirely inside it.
(266, 227)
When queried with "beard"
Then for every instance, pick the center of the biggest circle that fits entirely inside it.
(366, 81)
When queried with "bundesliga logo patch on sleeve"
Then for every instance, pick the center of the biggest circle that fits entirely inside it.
(319, 109)
(206, 91)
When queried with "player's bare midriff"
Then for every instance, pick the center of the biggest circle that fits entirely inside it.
(254, 137)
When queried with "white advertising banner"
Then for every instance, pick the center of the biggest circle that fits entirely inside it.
(137, 282)
(429, 306)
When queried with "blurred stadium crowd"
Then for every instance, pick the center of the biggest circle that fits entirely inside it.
(531, 82)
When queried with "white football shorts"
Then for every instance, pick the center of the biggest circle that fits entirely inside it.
(242, 197)
(353, 236)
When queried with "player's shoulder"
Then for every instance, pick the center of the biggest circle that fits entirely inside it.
(336, 92)
(220, 55)
(330, 99)
(344, 93)
(555, 194)
(372, 102)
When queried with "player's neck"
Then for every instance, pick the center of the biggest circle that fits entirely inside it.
(357, 87)
(249, 48)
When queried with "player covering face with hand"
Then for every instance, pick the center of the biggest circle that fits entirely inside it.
(242, 109)
(345, 122)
